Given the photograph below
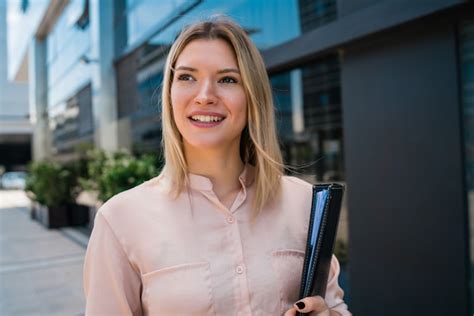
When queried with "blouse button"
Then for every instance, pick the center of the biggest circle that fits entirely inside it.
(230, 219)
(239, 269)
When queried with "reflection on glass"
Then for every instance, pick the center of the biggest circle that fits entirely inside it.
(71, 122)
(69, 90)
(309, 118)
(466, 59)
(268, 22)
(143, 15)
(66, 44)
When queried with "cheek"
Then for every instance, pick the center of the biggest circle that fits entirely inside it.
(240, 107)
(178, 102)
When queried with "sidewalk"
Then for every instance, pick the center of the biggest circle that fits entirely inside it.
(40, 269)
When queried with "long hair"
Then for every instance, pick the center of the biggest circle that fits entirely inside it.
(259, 144)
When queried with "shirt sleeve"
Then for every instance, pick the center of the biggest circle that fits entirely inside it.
(334, 293)
(111, 284)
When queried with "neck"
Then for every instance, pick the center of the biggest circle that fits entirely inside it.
(222, 166)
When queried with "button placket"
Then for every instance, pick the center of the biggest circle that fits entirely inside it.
(242, 290)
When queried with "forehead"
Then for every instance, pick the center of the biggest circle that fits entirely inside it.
(207, 52)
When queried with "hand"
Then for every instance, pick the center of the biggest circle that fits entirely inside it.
(314, 305)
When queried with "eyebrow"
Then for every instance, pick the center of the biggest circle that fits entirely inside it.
(225, 70)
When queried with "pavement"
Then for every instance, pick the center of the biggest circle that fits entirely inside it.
(40, 268)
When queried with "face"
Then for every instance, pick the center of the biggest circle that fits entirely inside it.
(207, 96)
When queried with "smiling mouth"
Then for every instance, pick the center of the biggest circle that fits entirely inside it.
(206, 118)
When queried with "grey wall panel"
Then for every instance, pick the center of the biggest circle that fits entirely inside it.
(407, 230)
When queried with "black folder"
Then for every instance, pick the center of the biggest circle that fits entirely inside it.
(323, 221)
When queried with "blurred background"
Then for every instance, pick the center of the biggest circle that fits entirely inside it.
(375, 94)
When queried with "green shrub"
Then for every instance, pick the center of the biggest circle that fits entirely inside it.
(51, 183)
(109, 174)
(123, 172)
(95, 162)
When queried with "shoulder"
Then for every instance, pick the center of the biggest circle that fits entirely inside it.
(131, 204)
(294, 183)
(295, 190)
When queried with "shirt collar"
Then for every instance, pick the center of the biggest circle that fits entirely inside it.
(203, 183)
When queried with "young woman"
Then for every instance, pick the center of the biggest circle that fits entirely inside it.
(220, 231)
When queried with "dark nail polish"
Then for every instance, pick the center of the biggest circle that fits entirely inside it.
(300, 305)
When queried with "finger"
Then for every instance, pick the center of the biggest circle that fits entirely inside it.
(291, 312)
(314, 304)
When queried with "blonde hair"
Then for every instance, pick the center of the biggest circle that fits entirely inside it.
(259, 144)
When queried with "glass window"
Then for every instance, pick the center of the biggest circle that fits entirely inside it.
(309, 117)
(144, 15)
(268, 22)
(67, 43)
(316, 13)
(72, 121)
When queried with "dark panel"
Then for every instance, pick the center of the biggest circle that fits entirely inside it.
(381, 16)
(345, 7)
(15, 156)
(407, 230)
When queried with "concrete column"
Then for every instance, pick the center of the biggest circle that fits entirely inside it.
(38, 99)
(104, 96)
(3, 45)
(297, 101)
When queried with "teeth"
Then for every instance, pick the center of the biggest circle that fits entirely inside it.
(206, 118)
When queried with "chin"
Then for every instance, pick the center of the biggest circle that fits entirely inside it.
(206, 144)
(209, 144)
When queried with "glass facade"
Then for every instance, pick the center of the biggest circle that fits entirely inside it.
(466, 59)
(69, 91)
(268, 23)
(309, 117)
(73, 125)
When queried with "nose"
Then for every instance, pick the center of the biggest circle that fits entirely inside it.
(206, 93)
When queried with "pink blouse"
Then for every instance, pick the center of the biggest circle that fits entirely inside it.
(151, 255)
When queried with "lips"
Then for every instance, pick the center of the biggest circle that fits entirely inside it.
(206, 119)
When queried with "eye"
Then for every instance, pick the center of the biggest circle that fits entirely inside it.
(185, 77)
(228, 80)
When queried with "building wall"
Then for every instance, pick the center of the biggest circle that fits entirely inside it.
(408, 237)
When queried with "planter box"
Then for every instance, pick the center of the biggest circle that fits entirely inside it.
(78, 214)
(54, 217)
(34, 206)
